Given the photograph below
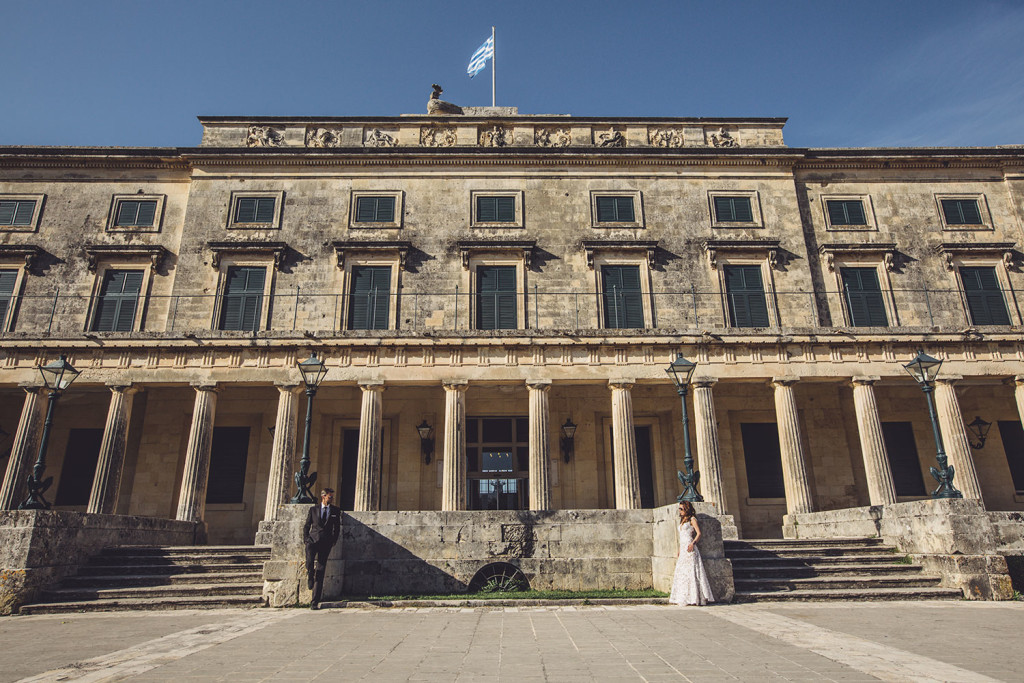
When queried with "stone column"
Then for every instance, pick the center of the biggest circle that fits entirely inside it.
(627, 476)
(954, 436)
(881, 488)
(106, 484)
(794, 463)
(192, 498)
(368, 461)
(1018, 393)
(282, 454)
(453, 490)
(540, 444)
(23, 450)
(709, 462)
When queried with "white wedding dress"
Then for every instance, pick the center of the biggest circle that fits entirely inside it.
(690, 582)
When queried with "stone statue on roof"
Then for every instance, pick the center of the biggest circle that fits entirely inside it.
(437, 106)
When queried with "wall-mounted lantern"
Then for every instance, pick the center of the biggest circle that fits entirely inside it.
(426, 433)
(568, 439)
(978, 431)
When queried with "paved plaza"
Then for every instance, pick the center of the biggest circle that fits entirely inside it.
(911, 641)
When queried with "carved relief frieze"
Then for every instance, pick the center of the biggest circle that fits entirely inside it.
(495, 136)
(665, 137)
(437, 136)
(552, 137)
(375, 137)
(263, 136)
(511, 355)
(153, 358)
(323, 137)
(612, 137)
(721, 138)
(401, 358)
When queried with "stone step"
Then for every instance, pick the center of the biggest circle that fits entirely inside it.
(148, 592)
(798, 543)
(833, 582)
(160, 579)
(812, 560)
(185, 549)
(129, 604)
(818, 551)
(168, 569)
(173, 560)
(851, 594)
(760, 571)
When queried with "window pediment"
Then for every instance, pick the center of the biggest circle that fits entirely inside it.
(884, 251)
(765, 246)
(275, 249)
(27, 252)
(400, 247)
(154, 253)
(995, 250)
(468, 248)
(645, 247)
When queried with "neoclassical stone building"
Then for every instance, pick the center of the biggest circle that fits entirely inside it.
(493, 277)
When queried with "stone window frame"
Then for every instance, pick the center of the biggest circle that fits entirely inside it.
(361, 257)
(638, 209)
(158, 215)
(986, 216)
(103, 258)
(399, 197)
(640, 255)
(476, 254)
(20, 259)
(518, 223)
(755, 209)
(882, 257)
(38, 197)
(274, 224)
(250, 487)
(996, 255)
(761, 252)
(871, 222)
(268, 257)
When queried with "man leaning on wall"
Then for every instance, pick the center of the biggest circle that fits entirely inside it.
(320, 533)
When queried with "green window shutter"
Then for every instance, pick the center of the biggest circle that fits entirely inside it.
(487, 209)
(615, 210)
(745, 294)
(846, 212)
(243, 298)
(505, 209)
(370, 298)
(984, 296)
(7, 280)
(17, 212)
(961, 211)
(375, 209)
(624, 210)
(265, 210)
(245, 211)
(864, 297)
(229, 452)
(623, 297)
(136, 213)
(733, 210)
(496, 298)
(118, 301)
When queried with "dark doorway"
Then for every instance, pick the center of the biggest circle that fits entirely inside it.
(349, 463)
(498, 454)
(229, 454)
(79, 468)
(644, 464)
(903, 460)
(763, 460)
(1013, 444)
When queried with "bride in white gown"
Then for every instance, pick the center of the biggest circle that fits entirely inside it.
(690, 582)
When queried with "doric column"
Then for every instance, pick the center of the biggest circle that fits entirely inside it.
(627, 476)
(106, 484)
(282, 454)
(954, 436)
(192, 498)
(26, 440)
(881, 488)
(794, 464)
(368, 461)
(540, 446)
(709, 462)
(453, 490)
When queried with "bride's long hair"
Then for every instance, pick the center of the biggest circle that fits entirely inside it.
(686, 512)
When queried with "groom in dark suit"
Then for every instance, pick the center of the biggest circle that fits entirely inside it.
(320, 533)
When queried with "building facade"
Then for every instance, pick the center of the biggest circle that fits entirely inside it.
(498, 279)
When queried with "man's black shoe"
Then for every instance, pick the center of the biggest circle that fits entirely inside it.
(314, 605)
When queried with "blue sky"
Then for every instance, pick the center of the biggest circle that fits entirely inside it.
(855, 73)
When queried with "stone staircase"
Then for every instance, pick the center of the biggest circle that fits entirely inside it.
(149, 578)
(828, 569)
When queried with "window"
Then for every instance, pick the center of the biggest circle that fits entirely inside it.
(733, 210)
(8, 280)
(846, 212)
(370, 298)
(961, 211)
(863, 294)
(242, 301)
(622, 296)
(498, 462)
(496, 298)
(228, 455)
(763, 460)
(256, 210)
(903, 461)
(984, 296)
(118, 301)
(496, 209)
(615, 210)
(744, 291)
(17, 212)
(1012, 435)
(135, 212)
(375, 210)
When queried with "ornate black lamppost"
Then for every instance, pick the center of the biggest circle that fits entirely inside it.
(925, 369)
(680, 370)
(58, 376)
(313, 371)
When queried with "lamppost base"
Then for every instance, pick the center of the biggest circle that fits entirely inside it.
(34, 505)
(36, 489)
(690, 495)
(947, 493)
(945, 478)
(304, 482)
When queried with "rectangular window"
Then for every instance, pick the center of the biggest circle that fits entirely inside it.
(1012, 435)
(623, 297)
(118, 301)
(733, 210)
(17, 212)
(371, 296)
(984, 296)
(745, 294)
(496, 298)
(846, 212)
(228, 455)
(763, 460)
(8, 278)
(864, 297)
(242, 304)
(961, 211)
(498, 463)
(903, 461)
(79, 467)
(136, 213)
(255, 210)
(495, 209)
(615, 210)
(375, 209)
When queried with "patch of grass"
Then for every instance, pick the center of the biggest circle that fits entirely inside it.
(1017, 595)
(523, 595)
(906, 559)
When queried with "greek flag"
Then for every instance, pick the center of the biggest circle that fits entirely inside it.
(479, 59)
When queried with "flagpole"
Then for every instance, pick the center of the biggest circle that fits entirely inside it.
(493, 53)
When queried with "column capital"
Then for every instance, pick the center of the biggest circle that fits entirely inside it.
(784, 381)
(621, 383)
(948, 379)
(455, 384)
(704, 382)
(124, 387)
(866, 380)
(371, 384)
(1018, 380)
(205, 386)
(289, 387)
(31, 387)
(538, 384)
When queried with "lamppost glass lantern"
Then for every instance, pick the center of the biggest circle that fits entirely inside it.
(924, 369)
(568, 439)
(426, 433)
(313, 371)
(680, 370)
(58, 376)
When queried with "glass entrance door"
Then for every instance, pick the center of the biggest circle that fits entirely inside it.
(498, 452)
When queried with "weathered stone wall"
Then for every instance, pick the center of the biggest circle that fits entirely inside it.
(39, 547)
(1009, 532)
